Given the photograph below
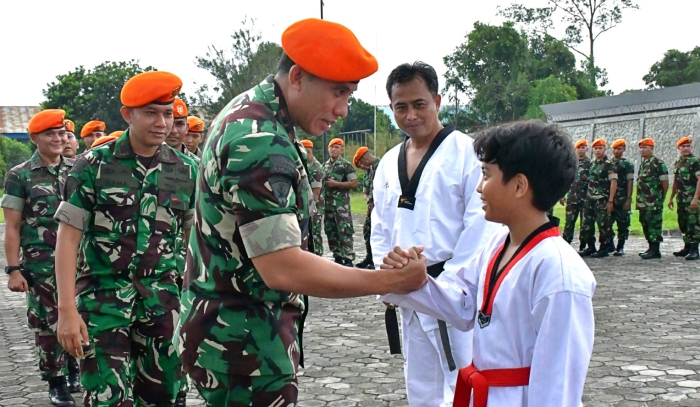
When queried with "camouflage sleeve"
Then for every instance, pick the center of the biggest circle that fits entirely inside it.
(350, 174)
(15, 195)
(317, 178)
(259, 171)
(365, 184)
(630, 170)
(79, 200)
(663, 171)
(696, 167)
(188, 219)
(612, 173)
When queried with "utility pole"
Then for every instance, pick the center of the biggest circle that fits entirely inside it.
(321, 9)
(325, 133)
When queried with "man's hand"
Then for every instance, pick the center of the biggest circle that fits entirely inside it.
(670, 204)
(17, 283)
(562, 201)
(609, 207)
(627, 205)
(331, 183)
(411, 262)
(71, 332)
(694, 205)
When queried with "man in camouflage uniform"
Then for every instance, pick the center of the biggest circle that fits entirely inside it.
(126, 204)
(194, 135)
(70, 149)
(92, 131)
(339, 178)
(686, 184)
(652, 185)
(623, 195)
(367, 161)
(32, 194)
(576, 198)
(316, 178)
(602, 185)
(248, 263)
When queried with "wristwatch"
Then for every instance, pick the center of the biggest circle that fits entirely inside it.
(10, 269)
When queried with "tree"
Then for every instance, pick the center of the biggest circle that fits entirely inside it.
(546, 91)
(676, 68)
(244, 65)
(589, 18)
(14, 152)
(92, 94)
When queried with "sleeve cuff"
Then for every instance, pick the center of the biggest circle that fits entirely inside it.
(612, 177)
(663, 177)
(316, 184)
(271, 234)
(352, 177)
(365, 190)
(12, 202)
(188, 220)
(72, 215)
(630, 176)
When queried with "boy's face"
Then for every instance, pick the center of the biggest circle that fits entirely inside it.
(599, 152)
(496, 196)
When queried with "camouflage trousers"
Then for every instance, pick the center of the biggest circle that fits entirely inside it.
(622, 218)
(317, 235)
(367, 228)
(574, 212)
(132, 364)
(339, 231)
(652, 222)
(688, 223)
(222, 390)
(42, 317)
(603, 219)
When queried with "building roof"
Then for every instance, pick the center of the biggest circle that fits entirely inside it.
(674, 97)
(14, 119)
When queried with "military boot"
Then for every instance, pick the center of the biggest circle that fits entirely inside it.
(589, 251)
(73, 379)
(602, 252)
(683, 252)
(348, 263)
(620, 249)
(693, 254)
(181, 399)
(59, 394)
(367, 263)
(654, 252)
(610, 247)
(647, 250)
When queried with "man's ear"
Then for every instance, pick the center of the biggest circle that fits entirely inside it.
(296, 73)
(438, 100)
(33, 137)
(126, 114)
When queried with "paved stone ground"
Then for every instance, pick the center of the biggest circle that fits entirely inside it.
(647, 349)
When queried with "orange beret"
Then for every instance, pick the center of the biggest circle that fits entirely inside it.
(581, 143)
(179, 109)
(46, 119)
(117, 133)
(646, 142)
(684, 140)
(619, 142)
(358, 155)
(195, 124)
(150, 87)
(70, 126)
(336, 141)
(598, 142)
(307, 143)
(328, 50)
(103, 139)
(94, 125)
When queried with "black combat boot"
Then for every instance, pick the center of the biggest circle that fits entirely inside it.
(610, 247)
(683, 252)
(73, 378)
(348, 263)
(603, 252)
(654, 252)
(582, 247)
(367, 263)
(620, 249)
(59, 394)
(693, 254)
(339, 260)
(181, 399)
(589, 251)
(647, 251)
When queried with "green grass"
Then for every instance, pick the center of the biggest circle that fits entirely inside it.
(358, 205)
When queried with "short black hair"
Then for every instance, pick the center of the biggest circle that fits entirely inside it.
(285, 64)
(407, 72)
(542, 152)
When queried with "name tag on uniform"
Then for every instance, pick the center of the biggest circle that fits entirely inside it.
(407, 202)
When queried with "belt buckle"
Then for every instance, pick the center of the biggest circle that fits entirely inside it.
(484, 320)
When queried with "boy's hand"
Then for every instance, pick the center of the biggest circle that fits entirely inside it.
(413, 274)
(399, 257)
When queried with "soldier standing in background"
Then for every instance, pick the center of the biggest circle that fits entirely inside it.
(369, 162)
(32, 194)
(316, 181)
(652, 185)
(71, 147)
(623, 195)
(195, 134)
(339, 176)
(576, 198)
(92, 131)
(602, 186)
(686, 190)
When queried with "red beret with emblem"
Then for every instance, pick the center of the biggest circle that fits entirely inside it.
(307, 143)
(91, 126)
(684, 140)
(70, 126)
(599, 143)
(46, 119)
(157, 87)
(358, 155)
(646, 142)
(328, 50)
(335, 141)
(195, 124)
(619, 142)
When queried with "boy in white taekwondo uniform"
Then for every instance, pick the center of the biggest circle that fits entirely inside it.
(528, 295)
(425, 193)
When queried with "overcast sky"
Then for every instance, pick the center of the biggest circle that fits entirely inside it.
(41, 38)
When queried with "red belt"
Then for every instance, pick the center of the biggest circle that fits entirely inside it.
(480, 380)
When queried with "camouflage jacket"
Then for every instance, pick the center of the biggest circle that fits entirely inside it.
(579, 188)
(253, 198)
(652, 172)
(599, 176)
(180, 244)
(368, 181)
(34, 189)
(685, 177)
(131, 216)
(316, 169)
(339, 170)
(625, 174)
